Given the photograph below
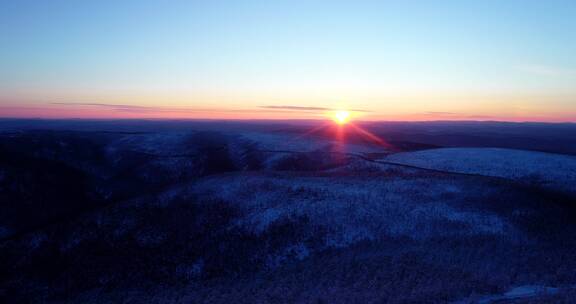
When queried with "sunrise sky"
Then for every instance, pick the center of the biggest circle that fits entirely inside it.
(508, 60)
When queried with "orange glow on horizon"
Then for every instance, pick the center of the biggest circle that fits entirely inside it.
(107, 109)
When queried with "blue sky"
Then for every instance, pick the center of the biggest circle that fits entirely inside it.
(509, 58)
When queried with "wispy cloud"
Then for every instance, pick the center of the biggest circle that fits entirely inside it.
(312, 109)
(161, 109)
(115, 107)
(297, 108)
(439, 113)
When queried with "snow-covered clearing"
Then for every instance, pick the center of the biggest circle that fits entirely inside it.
(553, 171)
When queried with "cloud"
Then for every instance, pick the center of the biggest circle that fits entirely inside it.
(116, 107)
(297, 108)
(160, 109)
(439, 113)
(313, 109)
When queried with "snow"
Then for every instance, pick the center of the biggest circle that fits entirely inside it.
(354, 209)
(298, 143)
(156, 143)
(554, 171)
(516, 293)
(297, 251)
(527, 291)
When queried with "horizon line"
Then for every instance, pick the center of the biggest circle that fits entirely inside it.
(276, 119)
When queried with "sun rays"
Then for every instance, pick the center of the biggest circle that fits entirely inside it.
(345, 134)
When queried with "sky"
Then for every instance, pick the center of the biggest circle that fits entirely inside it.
(510, 60)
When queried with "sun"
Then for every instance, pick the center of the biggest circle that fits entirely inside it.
(341, 117)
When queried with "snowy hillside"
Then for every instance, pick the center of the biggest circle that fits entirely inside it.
(228, 215)
(308, 143)
(356, 208)
(553, 171)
